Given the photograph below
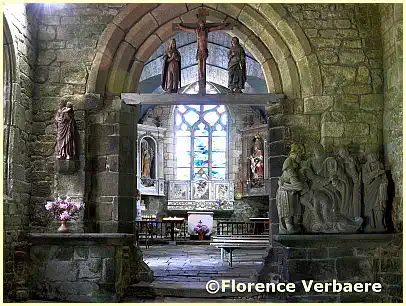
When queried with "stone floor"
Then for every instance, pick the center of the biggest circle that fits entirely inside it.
(182, 271)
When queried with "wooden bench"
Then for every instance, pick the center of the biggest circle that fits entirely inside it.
(227, 244)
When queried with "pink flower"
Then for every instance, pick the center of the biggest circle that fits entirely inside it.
(63, 205)
(48, 206)
(64, 216)
(77, 205)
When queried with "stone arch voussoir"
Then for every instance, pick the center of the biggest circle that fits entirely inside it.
(274, 39)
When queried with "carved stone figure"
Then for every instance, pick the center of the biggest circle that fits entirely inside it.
(237, 71)
(351, 182)
(147, 154)
(326, 195)
(375, 194)
(287, 195)
(202, 32)
(171, 69)
(65, 132)
(257, 160)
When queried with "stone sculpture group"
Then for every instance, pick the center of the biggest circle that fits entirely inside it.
(323, 194)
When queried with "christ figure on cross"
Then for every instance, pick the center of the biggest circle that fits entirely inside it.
(202, 32)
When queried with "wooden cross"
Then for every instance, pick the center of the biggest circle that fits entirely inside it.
(201, 29)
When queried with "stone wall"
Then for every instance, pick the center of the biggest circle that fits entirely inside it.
(84, 267)
(67, 37)
(346, 40)
(374, 258)
(20, 27)
(249, 207)
(392, 44)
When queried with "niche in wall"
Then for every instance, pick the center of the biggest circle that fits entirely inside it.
(150, 179)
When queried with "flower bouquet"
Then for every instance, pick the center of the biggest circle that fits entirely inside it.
(64, 210)
(201, 230)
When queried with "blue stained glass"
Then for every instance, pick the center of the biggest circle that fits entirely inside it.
(182, 144)
(191, 117)
(183, 173)
(221, 109)
(183, 159)
(178, 119)
(182, 133)
(196, 107)
(224, 119)
(202, 132)
(209, 107)
(220, 133)
(219, 143)
(201, 144)
(200, 160)
(205, 121)
(211, 118)
(182, 108)
(218, 159)
(218, 173)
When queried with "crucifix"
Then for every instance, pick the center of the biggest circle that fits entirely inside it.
(202, 30)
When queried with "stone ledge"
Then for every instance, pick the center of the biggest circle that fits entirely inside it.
(178, 99)
(333, 239)
(82, 238)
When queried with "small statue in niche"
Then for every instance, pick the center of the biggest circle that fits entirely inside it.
(237, 71)
(147, 154)
(171, 69)
(65, 132)
(351, 181)
(287, 195)
(257, 161)
(375, 193)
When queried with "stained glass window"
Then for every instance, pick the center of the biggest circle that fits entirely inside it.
(201, 141)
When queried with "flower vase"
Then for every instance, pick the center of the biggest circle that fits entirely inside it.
(64, 227)
(200, 235)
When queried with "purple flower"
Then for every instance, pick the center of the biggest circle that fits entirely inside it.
(201, 228)
(64, 216)
(64, 209)
(63, 205)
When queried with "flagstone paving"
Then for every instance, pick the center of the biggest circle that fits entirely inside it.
(182, 271)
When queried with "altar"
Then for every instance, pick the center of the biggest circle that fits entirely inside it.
(201, 195)
(194, 217)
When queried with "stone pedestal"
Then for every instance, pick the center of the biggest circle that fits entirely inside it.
(64, 166)
(373, 258)
(84, 267)
(195, 216)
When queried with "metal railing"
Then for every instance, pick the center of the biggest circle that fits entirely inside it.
(242, 228)
(146, 231)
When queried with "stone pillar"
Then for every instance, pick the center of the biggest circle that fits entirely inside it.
(112, 167)
(278, 152)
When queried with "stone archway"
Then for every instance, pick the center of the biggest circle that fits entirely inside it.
(274, 38)
(9, 78)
